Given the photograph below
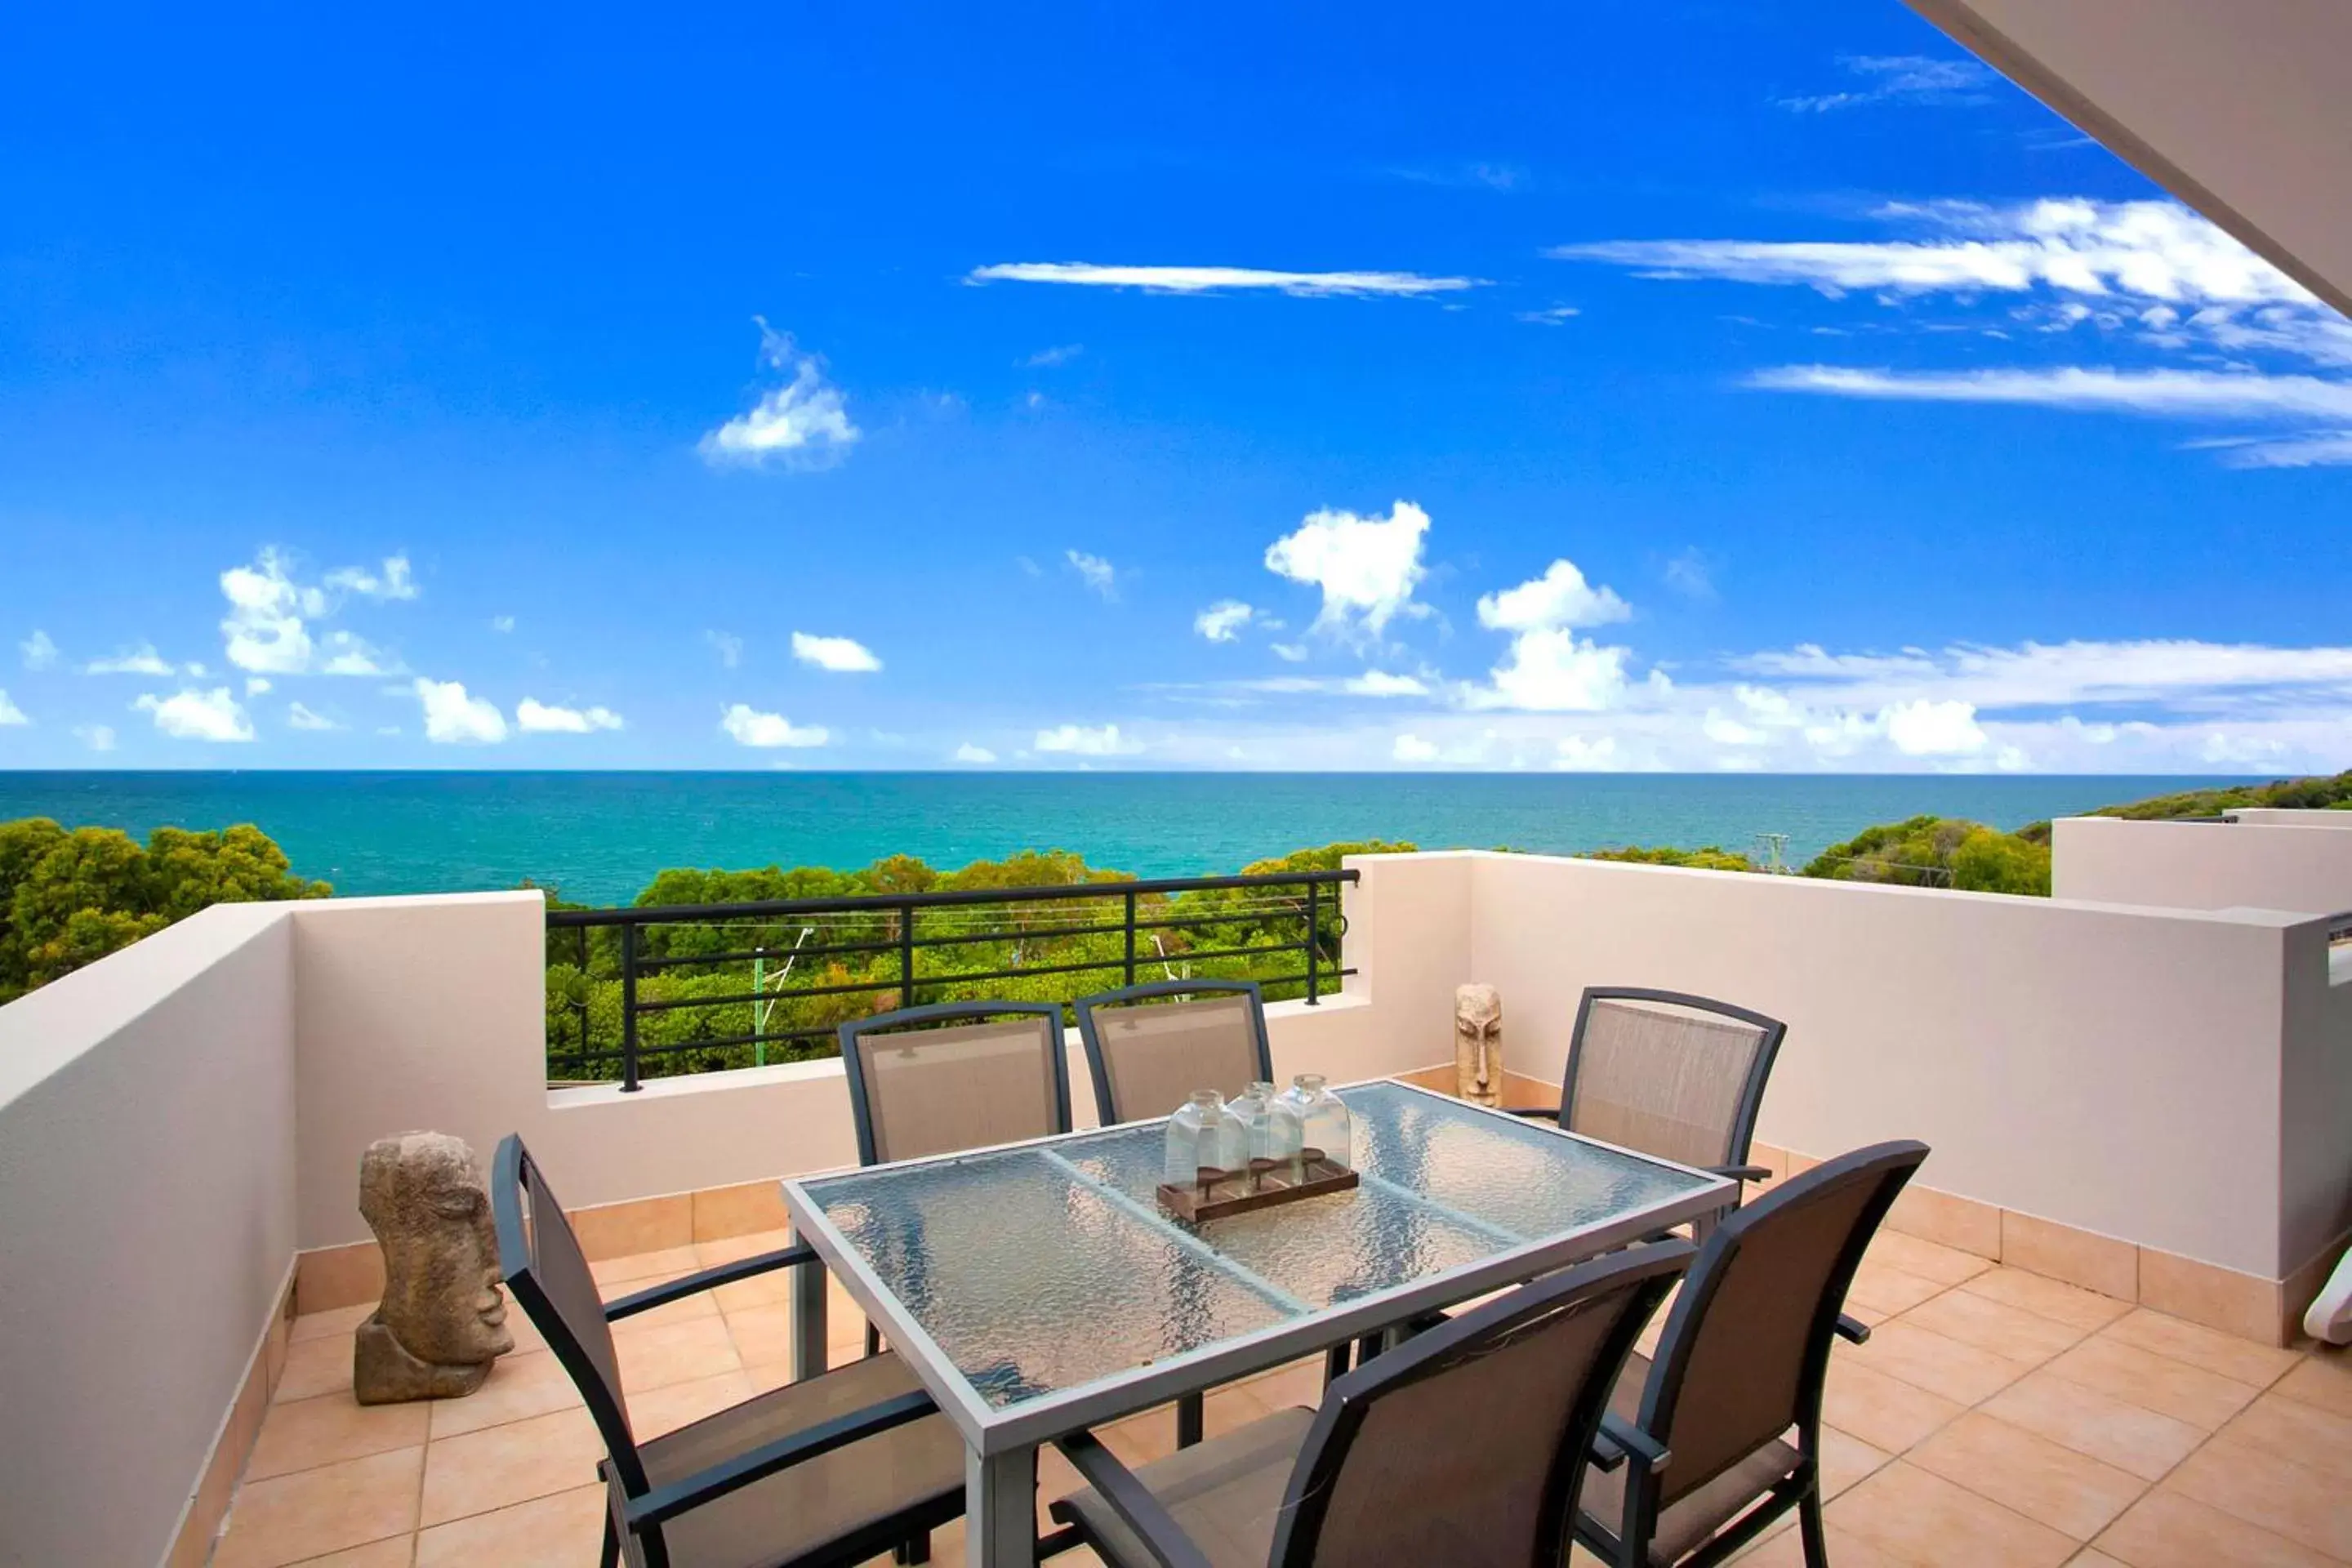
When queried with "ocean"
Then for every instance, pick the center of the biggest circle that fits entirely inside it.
(600, 836)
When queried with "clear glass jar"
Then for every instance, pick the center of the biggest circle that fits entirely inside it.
(1322, 1121)
(1204, 1135)
(1253, 1106)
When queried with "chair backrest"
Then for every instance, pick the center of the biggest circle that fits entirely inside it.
(955, 1075)
(1743, 1355)
(1672, 1075)
(1466, 1446)
(545, 1270)
(1148, 1055)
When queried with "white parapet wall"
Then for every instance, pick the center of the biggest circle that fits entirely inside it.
(2265, 864)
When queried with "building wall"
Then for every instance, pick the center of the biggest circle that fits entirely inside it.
(2282, 817)
(2260, 865)
(147, 1158)
(2116, 1070)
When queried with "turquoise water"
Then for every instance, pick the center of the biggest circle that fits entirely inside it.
(600, 838)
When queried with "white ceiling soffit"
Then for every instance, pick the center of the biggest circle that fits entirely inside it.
(2240, 108)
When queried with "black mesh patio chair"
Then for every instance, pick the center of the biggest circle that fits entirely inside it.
(1695, 1458)
(1466, 1447)
(1148, 1055)
(1669, 1074)
(833, 1470)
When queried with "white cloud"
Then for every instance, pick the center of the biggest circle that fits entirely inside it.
(1078, 739)
(1933, 729)
(2149, 251)
(39, 652)
(348, 655)
(255, 685)
(804, 423)
(1366, 566)
(538, 717)
(97, 737)
(393, 581)
(1095, 572)
(840, 654)
(1413, 749)
(266, 627)
(1378, 683)
(2060, 674)
(1045, 359)
(1556, 316)
(300, 717)
(729, 648)
(1223, 621)
(968, 752)
(1212, 279)
(452, 717)
(1560, 597)
(1577, 754)
(1900, 79)
(502, 623)
(2331, 449)
(10, 713)
(1549, 671)
(140, 660)
(749, 727)
(2172, 394)
(192, 715)
(1690, 574)
(1291, 652)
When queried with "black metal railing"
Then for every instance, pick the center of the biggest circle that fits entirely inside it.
(653, 992)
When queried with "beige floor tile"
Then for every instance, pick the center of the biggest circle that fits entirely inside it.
(1994, 1325)
(2047, 1297)
(1919, 1517)
(677, 1353)
(2117, 1432)
(1928, 1259)
(1883, 1410)
(1926, 1359)
(315, 1367)
(2165, 1530)
(2209, 1350)
(1883, 1288)
(701, 1304)
(2306, 1505)
(306, 1433)
(763, 1334)
(1846, 1459)
(514, 1463)
(660, 1410)
(392, 1552)
(2068, 1492)
(2156, 1383)
(519, 1387)
(311, 1512)
(1785, 1548)
(2092, 1557)
(642, 1268)
(2294, 1430)
(773, 1288)
(734, 1248)
(1300, 1383)
(2324, 1378)
(563, 1531)
(327, 1325)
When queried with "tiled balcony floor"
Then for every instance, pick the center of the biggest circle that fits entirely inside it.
(1996, 1417)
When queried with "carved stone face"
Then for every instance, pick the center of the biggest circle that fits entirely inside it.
(441, 1300)
(1477, 1010)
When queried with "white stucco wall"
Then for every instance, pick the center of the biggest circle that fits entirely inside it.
(2203, 865)
(2113, 1068)
(147, 1157)
(2280, 816)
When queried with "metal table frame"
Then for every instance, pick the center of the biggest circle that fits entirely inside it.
(1000, 1446)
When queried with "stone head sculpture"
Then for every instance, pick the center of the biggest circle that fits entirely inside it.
(1478, 1043)
(442, 1319)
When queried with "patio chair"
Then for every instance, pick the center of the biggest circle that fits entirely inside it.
(829, 1471)
(1466, 1447)
(1147, 1056)
(1668, 1073)
(1741, 1361)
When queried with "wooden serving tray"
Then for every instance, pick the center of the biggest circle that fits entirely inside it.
(1266, 1184)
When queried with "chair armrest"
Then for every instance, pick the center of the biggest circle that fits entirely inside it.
(1618, 1438)
(1132, 1501)
(665, 1503)
(1544, 1112)
(709, 1279)
(1743, 1173)
(1852, 1329)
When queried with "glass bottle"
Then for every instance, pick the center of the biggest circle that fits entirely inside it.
(1253, 1106)
(1202, 1135)
(1324, 1125)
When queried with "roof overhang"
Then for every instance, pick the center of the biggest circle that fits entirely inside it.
(2240, 108)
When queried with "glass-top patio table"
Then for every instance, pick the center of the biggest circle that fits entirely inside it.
(1038, 1287)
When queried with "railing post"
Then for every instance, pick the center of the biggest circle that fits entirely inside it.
(906, 955)
(629, 1084)
(1130, 938)
(1314, 902)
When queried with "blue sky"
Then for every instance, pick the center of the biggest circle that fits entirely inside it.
(1631, 386)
